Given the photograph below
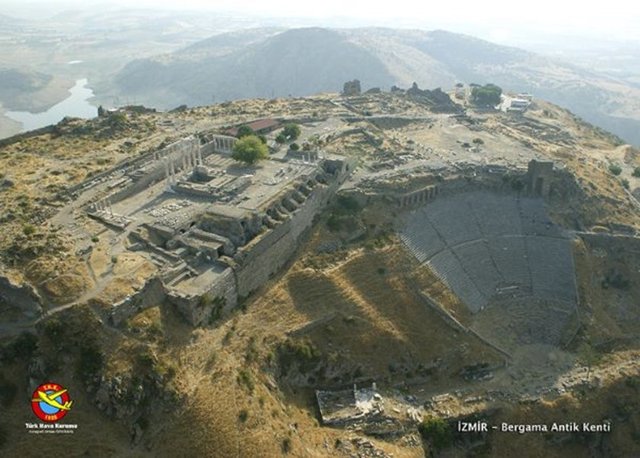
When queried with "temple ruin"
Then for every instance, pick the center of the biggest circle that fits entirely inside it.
(215, 229)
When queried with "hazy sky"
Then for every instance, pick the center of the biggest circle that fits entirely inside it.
(499, 19)
(611, 15)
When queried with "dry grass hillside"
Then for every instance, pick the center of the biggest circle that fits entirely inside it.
(347, 309)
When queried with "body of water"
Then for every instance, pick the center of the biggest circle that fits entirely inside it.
(76, 105)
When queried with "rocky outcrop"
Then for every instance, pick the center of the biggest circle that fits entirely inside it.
(132, 398)
(21, 296)
(438, 100)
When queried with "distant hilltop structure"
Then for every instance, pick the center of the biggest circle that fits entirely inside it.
(351, 88)
(520, 103)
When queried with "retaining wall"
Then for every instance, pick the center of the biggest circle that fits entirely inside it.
(267, 254)
(151, 294)
(198, 312)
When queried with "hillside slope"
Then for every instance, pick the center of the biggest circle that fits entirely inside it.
(256, 63)
(351, 307)
(296, 63)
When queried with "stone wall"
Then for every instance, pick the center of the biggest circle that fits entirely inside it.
(151, 294)
(125, 166)
(223, 293)
(135, 187)
(267, 254)
(252, 266)
(479, 178)
(264, 257)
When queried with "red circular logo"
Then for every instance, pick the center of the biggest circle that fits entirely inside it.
(50, 402)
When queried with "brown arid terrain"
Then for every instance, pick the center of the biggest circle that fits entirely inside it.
(355, 306)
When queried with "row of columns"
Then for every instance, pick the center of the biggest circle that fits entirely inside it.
(103, 205)
(309, 157)
(187, 143)
(419, 197)
(223, 143)
(182, 160)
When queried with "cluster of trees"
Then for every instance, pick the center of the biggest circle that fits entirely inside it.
(486, 96)
(290, 133)
(251, 148)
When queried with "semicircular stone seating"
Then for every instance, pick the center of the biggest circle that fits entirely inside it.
(490, 248)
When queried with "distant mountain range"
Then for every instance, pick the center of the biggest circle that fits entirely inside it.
(274, 63)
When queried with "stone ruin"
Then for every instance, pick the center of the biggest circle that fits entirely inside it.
(344, 407)
(351, 88)
(216, 230)
(438, 100)
(538, 178)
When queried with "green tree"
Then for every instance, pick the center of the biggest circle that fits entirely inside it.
(486, 96)
(636, 172)
(294, 147)
(244, 131)
(437, 432)
(291, 131)
(281, 138)
(28, 229)
(250, 150)
(615, 169)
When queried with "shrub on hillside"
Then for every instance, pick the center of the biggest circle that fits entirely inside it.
(615, 169)
(302, 352)
(437, 432)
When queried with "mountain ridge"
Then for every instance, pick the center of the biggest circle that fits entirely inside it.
(265, 63)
